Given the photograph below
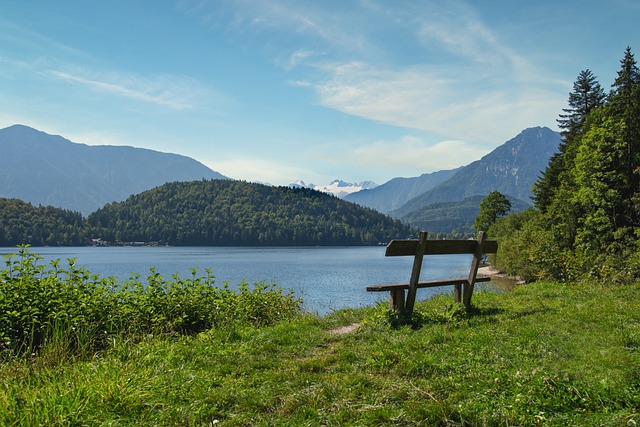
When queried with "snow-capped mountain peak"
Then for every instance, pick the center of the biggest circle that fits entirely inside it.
(337, 187)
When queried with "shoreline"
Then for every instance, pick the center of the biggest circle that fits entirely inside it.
(497, 274)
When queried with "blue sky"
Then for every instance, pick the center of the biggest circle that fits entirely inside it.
(279, 90)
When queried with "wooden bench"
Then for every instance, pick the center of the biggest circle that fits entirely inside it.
(463, 287)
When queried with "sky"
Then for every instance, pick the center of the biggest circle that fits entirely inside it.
(279, 90)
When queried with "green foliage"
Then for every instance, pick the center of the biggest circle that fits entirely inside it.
(223, 212)
(587, 95)
(39, 306)
(23, 223)
(452, 219)
(203, 213)
(528, 248)
(495, 205)
(588, 219)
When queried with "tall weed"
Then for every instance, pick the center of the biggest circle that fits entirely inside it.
(76, 312)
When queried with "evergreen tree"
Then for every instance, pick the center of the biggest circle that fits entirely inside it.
(624, 101)
(587, 95)
(624, 93)
(602, 185)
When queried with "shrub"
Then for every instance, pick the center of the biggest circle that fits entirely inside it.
(41, 304)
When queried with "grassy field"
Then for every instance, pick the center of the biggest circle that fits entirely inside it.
(545, 354)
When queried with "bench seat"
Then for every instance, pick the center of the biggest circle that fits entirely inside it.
(425, 284)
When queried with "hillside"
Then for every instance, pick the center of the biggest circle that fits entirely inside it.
(223, 212)
(50, 170)
(510, 169)
(453, 217)
(23, 223)
(398, 191)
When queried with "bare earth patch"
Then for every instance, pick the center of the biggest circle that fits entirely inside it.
(344, 329)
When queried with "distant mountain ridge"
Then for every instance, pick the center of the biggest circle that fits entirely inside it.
(337, 187)
(511, 169)
(398, 191)
(50, 170)
(453, 217)
(445, 201)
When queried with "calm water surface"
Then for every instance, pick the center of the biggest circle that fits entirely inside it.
(327, 278)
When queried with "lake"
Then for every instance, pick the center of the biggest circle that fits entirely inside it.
(326, 278)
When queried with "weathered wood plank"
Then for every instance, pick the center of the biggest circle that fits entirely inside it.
(421, 247)
(415, 271)
(439, 247)
(473, 272)
(426, 284)
(396, 299)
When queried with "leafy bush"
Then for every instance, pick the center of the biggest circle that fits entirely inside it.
(41, 304)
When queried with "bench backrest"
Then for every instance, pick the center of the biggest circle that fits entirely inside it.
(421, 247)
(439, 247)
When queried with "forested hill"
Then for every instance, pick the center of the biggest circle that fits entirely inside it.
(221, 212)
(23, 223)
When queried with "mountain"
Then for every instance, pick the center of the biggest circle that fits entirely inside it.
(511, 169)
(337, 187)
(453, 217)
(398, 191)
(50, 170)
(224, 212)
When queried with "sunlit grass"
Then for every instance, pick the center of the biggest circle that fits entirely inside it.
(544, 354)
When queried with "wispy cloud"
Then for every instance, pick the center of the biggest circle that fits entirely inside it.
(446, 101)
(32, 41)
(409, 154)
(270, 18)
(260, 169)
(178, 93)
(45, 56)
(466, 82)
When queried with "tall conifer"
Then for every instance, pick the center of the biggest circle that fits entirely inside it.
(586, 96)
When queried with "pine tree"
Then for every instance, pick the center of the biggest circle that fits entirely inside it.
(587, 95)
(624, 101)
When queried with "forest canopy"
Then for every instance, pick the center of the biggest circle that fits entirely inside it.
(204, 213)
(23, 223)
(223, 212)
(586, 218)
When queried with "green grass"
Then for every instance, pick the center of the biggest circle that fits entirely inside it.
(545, 354)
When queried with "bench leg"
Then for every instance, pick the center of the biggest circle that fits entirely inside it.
(457, 293)
(468, 292)
(396, 301)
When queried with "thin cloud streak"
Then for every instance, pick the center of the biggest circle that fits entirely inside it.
(165, 91)
(306, 21)
(31, 41)
(413, 153)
